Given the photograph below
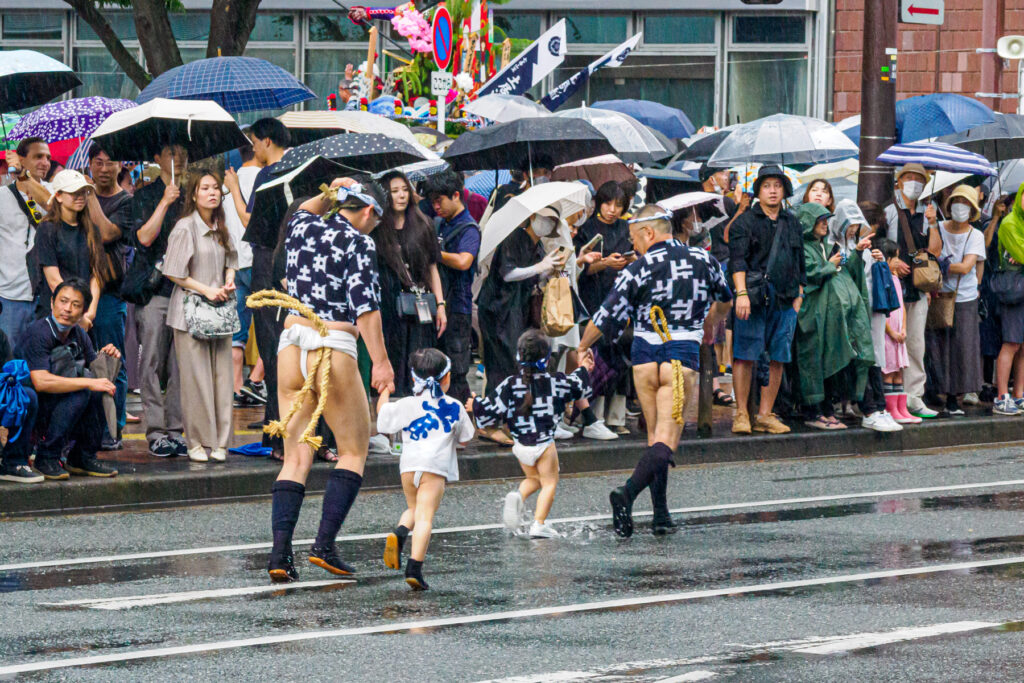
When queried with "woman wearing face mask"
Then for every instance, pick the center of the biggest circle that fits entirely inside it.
(820, 192)
(956, 351)
(407, 257)
(201, 259)
(519, 265)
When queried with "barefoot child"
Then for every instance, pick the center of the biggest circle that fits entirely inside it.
(431, 425)
(531, 404)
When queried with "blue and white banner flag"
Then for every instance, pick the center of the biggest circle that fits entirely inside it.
(531, 66)
(614, 59)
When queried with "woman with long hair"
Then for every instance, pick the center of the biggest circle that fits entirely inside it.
(407, 257)
(201, 260)
(69, 243)
(820, 192)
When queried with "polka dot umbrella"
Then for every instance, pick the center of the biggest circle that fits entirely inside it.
(68, 119)
(369, 152)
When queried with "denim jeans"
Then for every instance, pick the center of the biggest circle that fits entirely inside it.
(108, 328)
(15, 317)
(243, 288)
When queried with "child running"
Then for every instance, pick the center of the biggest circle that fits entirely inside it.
(531, 404)
(431, 424)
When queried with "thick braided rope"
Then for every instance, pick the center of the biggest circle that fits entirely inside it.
(678, 379)
(272, 298)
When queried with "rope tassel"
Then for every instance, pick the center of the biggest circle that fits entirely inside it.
(270, 298)
(678, 379)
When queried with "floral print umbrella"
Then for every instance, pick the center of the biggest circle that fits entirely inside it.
(68, 119)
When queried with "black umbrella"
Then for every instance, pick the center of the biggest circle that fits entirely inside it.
(369, 152)
(29, 78)
(702, 148)
(505, 145)
(1001, 140)
(272, 198)
(662, 183)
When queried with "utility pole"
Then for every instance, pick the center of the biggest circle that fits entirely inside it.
(878, 100)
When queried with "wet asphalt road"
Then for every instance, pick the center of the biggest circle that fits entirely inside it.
(875, 580)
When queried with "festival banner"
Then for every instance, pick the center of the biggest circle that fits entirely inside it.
(534, 63)
(614, 59)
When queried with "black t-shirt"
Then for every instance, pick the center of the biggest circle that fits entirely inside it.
(504, 298)
(265, 236)
(144, 204)
(719, 248)
(118, 210)
(594, 287)
(41, 337)
(64, 246)
(506, 192)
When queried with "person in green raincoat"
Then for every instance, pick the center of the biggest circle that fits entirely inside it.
(1011, 257)
(833, 347)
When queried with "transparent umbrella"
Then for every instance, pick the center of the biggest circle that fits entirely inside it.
(632, 140)
(505, 108)
(784, 139)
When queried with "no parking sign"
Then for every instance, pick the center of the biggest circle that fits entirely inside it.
(442, 31)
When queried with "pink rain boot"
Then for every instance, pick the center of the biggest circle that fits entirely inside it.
(892, 407)
(904, 415)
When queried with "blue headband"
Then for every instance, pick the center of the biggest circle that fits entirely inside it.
(538, 365)
(431, 384)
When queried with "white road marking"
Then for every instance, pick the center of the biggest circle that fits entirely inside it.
(209, 550)
(558, 610)
(699, 675)
(863, 641)
(130, 601)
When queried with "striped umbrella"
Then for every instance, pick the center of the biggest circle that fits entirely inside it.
(937, 156)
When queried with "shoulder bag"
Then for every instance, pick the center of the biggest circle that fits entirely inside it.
(417, 303)
(142, 279)
(35, 273)
(207, 320)
(924, 268)
(759, 289)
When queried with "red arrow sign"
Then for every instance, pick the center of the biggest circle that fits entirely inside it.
(914, 9)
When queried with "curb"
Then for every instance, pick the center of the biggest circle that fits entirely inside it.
(151, 490)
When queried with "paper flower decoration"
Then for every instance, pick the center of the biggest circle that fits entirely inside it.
(464, 82)
(410, 24)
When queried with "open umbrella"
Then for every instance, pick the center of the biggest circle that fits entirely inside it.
(29, 78)
(783, 139)
(672, 122)
(596, 170)
(1000, 140)
(235, 83)
(937, 156)
(306, 126)
(505, 108)
(420, 170)
(929, 116)
(662, 182)
(701, 147)
(746, 175)
(505, 144)
(369, 152)
(565, 198)
(429, 137)
(202, 127)
(847, 168)
(7, 122)
(483, 183)
(851, 128)
(711, 213)
(632, 141)
(940, 180)
(68, 119)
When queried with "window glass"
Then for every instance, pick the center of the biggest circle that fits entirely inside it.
(517, 25)
(594, 28)
(33, 26)
(273, 27)
(101, 75)
(282, 58)
(122, 23)
(335, 28)
(190, 25)
(324, 68)
(768, 29)
(675, 28)
(762, 84)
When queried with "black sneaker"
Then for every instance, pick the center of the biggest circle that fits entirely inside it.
(622, 512)
(663, 525)
(51, 469)
(256, 391)
(111, 444)
(281, 566)
(90, 467)
(242, 401)
(180, 447)
(20, 474)
(327, 558)
(162, 447)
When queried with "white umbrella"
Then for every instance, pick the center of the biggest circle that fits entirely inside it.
(689, 200)
(565, 198)
(847, 168)
(784, 139)
(632, 141)
(505, 108)
(334, 122)
(940, 180)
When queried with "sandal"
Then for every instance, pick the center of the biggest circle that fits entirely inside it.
(326, 454)
(820, 423)
(720, 398)
(277, 454)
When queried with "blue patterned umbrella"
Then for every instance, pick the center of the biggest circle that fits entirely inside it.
(937, 156)
(67, 119)
(235, 83)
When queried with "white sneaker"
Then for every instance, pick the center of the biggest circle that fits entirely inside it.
(562, 434)
(512, 511)
(599, 431)
(971, 399)
(543, 530)
(197, 454)
(568, 427)
(880, 421)
(380, 445)
(218, 455)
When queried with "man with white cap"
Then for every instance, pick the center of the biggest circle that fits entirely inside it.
(908, 214)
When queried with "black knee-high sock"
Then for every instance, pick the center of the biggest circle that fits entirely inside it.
(589, 417)
(286, 501)
(654, 460)
(342, 489)
(659, 483)
(402, 533)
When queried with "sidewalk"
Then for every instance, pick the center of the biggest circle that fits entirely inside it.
(145, 481)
